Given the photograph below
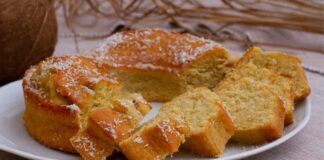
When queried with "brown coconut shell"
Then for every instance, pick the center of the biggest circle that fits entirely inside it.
(28, 34)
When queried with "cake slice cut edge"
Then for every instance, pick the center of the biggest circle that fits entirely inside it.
(257, 112)
(280, 85)
(210, 125)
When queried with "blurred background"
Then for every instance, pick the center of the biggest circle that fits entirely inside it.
(31, 30)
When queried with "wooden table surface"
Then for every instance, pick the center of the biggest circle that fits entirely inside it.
(308, 144)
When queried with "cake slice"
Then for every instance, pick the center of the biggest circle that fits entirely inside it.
(113, 117)
(285, 65)
(256, 111)
(277, 83)
(210, 126)
(156, 139)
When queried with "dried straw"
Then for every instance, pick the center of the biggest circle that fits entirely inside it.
(298, 15)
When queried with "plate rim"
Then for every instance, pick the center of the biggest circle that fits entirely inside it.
(244, 154)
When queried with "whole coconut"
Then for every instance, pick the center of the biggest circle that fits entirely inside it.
(28, 34)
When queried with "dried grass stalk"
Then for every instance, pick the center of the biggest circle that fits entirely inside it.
(299, 15)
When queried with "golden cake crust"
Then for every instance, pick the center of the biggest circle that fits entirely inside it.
(91, 147)
(50, 124)
(154, 49)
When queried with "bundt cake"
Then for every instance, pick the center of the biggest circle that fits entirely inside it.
(61, 93)
(285, 65)
(210, 127)
(160, 64)
(76, 103)
(278, 84)
(257, 112)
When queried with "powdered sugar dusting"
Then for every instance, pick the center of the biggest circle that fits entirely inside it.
(147, 66)
(167, 128)
(138, 98)
(111, 41)
(73, 107)
(71, 76)
(87, 145)
(152, 49)
(110, 128)
(138, 140)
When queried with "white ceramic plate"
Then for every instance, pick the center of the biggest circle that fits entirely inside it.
(14, 138)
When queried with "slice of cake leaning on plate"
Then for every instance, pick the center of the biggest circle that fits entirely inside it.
(278, 84)
(210, 125)
(257, 112)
